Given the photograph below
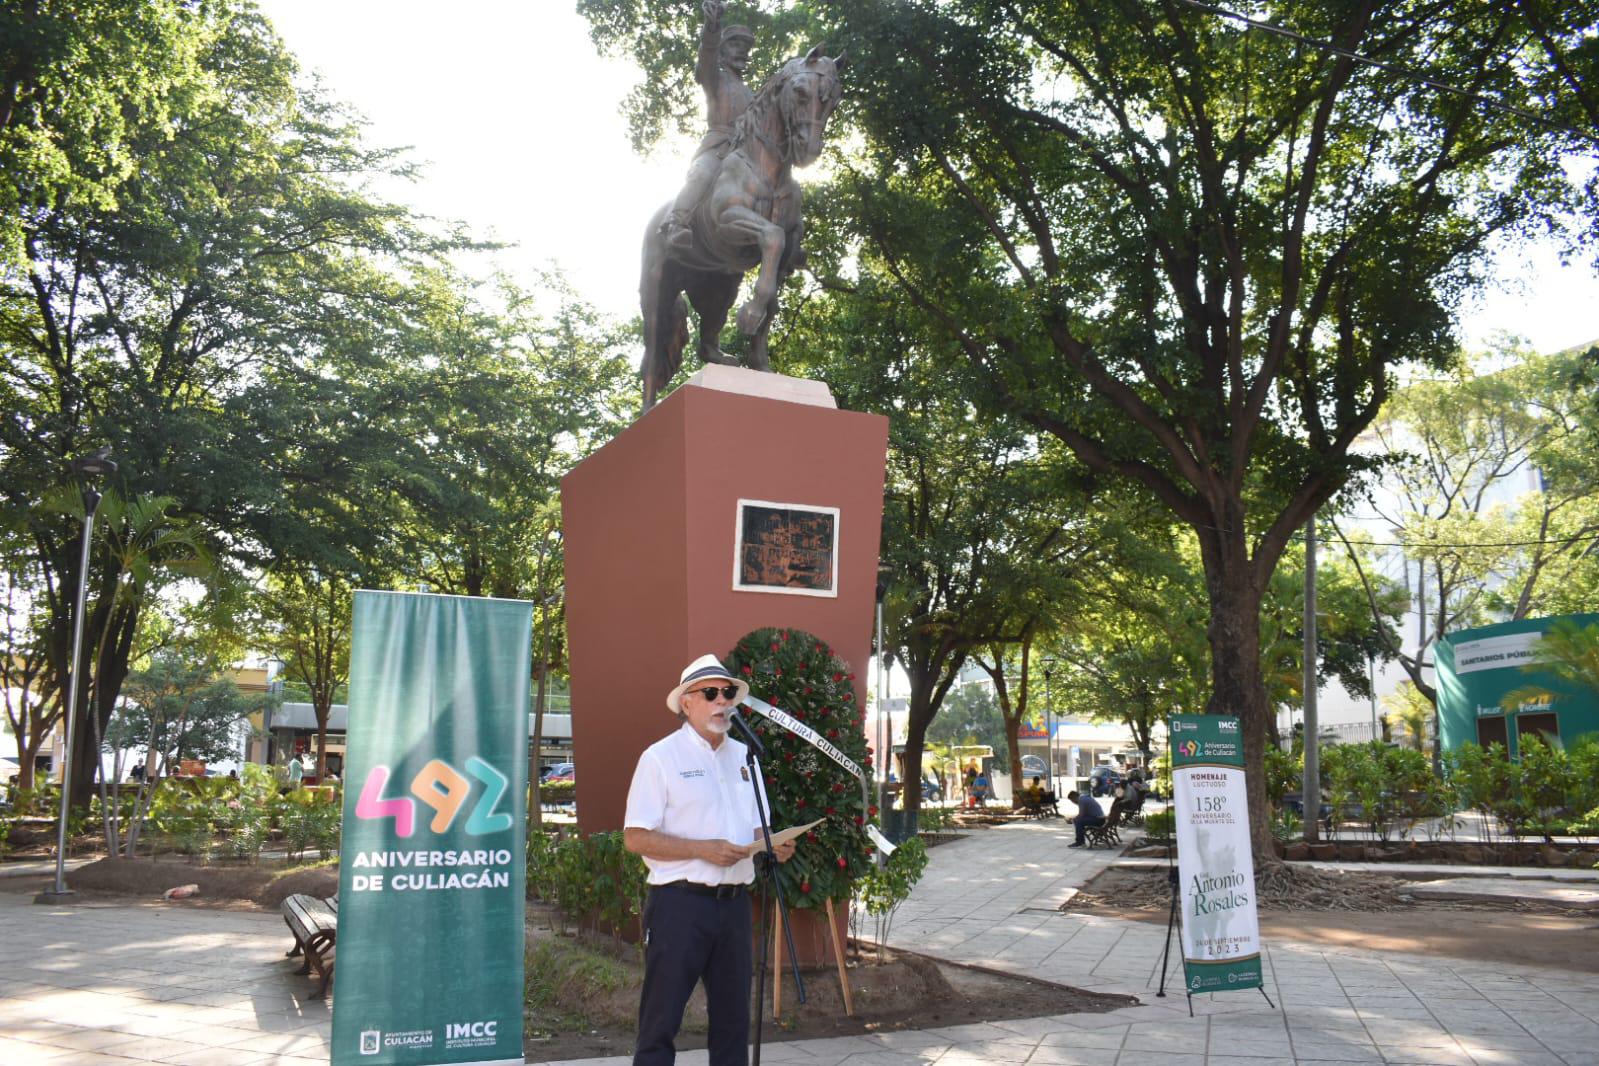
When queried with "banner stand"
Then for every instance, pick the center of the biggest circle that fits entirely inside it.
(1213, 881)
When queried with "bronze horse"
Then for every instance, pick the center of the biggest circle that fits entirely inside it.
(751, 217)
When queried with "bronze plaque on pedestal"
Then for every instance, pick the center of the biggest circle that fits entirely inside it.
(786, 547)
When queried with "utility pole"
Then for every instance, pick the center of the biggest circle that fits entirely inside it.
(1312, 780)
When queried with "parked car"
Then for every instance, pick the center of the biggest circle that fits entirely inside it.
(559, 772)
(930, 791)
(1104, 779)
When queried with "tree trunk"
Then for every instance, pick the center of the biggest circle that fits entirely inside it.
(1238, 689)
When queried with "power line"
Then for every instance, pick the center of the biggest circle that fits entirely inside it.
(1420, 79)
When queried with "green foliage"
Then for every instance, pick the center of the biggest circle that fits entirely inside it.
(1161, 825)
(885, 887)
(1286, 825)
(557, 792)
(1285, 772)
(797, 673)
(310, 818)
(592, 879)
(1392, 787)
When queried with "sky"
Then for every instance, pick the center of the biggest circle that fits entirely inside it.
(518, 122)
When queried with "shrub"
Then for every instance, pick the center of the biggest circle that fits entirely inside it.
(1285, 772)
(591, 879)
(885, 887)
(1160, 825)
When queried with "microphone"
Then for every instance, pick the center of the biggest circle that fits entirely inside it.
(745, 733)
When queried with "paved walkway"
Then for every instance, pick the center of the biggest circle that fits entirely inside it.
(109, 983)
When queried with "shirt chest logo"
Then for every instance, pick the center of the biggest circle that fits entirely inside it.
(686, 774)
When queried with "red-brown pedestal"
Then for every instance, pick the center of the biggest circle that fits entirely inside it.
(649, 523)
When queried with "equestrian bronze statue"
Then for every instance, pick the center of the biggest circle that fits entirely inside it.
(749, 217)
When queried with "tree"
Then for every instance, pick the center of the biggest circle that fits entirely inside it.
(1410, 710)
(176, 707)
(79, 80)
(971, 715)
(307, 625)
(1192, 253)
(32, 698)
(236, 258)
(1496, 495)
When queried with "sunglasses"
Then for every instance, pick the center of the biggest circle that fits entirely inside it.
(728, 692)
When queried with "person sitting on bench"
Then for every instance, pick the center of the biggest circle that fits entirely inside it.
(1089, 812)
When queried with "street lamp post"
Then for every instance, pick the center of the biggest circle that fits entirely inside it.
(1050, 731)
(88, 467)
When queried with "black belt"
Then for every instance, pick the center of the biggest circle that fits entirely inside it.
(719, 891)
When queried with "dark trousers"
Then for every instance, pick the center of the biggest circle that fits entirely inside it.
(693, 938)
(1082, 822)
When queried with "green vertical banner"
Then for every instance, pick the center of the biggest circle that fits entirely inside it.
(1220, 928)
(432, 864)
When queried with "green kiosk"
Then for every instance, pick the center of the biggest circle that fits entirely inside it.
(1478, 668)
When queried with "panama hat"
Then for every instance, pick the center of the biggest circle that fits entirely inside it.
(705, 668)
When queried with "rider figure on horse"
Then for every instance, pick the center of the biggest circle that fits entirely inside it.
(724, 56)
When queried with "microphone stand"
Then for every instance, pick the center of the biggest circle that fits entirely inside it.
(752, 746)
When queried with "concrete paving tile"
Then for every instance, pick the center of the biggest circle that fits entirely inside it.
(1520, 1058)
(1086, 1055)
(218, 1056)
(280, 1043)
(1428, 1056)
(881, 1058)
(150, 1049)
(1110, 1036)
(903, 1040)
(1318, 1052)
(1139, 1058)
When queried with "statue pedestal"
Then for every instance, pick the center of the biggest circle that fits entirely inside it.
(656, 539)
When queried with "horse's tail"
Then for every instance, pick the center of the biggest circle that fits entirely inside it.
(665, 314)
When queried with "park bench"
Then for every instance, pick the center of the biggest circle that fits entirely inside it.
(1044, 806)
(315, 925)
(1105, 833)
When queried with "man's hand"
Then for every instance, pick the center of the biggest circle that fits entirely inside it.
(720, 852)
(713, 10)
(784, 851)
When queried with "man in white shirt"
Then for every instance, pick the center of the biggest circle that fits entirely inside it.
(691, 814)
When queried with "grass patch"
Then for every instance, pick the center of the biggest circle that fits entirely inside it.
(574, 987)
(304, 866)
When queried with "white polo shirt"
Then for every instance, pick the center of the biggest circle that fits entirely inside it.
(685, 788)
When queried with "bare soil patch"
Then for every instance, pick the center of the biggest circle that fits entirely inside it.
(583, 998)
(265, 885)
(1372, 911)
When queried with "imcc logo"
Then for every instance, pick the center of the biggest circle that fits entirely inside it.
(371, 1041)
(471, 1034)
(1228, 725)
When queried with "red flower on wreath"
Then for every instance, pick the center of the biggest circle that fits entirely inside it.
(842, 864)
(838, 677)
(747, 668)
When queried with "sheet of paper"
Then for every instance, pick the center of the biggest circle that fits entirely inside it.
(783, 837)
(876, 836)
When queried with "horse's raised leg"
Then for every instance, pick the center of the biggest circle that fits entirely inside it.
(769, 237)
